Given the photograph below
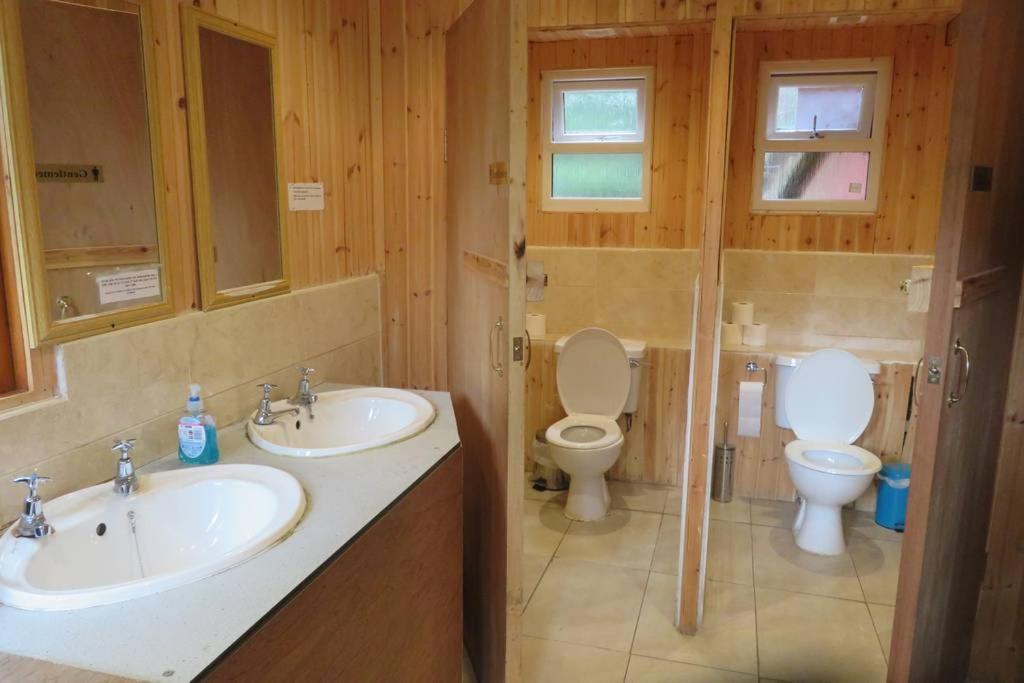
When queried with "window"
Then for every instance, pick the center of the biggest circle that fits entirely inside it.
(596, 140)
(820, 135)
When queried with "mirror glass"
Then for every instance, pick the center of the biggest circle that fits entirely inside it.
(239, 222)
(93, 158)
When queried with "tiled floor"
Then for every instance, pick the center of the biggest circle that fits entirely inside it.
(600, 596)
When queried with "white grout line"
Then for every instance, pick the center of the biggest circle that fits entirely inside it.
(753, 580)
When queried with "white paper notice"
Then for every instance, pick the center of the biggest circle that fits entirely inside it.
(305, 196)
(137, 284)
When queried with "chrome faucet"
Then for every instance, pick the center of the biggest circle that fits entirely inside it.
(304, 396)
(126, 483)
(33, 522)
(264, 415)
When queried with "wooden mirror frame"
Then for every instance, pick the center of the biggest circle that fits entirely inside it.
(192, 20)
(29, 246)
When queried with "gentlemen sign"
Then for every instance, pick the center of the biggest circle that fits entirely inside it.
(69, 173)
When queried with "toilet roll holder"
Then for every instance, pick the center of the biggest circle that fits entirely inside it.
(752, 366)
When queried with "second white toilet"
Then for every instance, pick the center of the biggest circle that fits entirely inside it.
(596, 381)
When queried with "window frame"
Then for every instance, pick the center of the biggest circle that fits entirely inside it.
(563, 80)
(870, 137)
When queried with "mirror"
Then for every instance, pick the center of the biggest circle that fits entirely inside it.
(232, 79)
(81, 102)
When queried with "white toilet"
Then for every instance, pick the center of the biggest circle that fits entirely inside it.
(598, 379)
(827, 399)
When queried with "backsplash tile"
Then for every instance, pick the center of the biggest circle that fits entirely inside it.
(133, 382)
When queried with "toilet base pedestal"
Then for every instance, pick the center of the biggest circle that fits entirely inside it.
(588, 498)
(819, 529)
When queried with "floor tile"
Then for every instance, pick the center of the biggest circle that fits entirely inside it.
(531, 493)
(648, 670)
(878, 567)
(882, 616)
(730, 552)
(780, 564)
(628, 495)
(736, 510)
(863, 523)
(666, 553)
(625, 538)
(549, 661)
(586, 604)
(778, 513)
(673, 501)
(543, 527)
(813, 638)
(726, 640)
(533, 569)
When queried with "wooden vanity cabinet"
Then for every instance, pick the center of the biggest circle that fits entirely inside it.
(386, 607)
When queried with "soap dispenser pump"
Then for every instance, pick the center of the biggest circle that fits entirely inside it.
(197, 432)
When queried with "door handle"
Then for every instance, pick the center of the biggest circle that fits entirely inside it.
(495, 358)
(529, 348)
(963, 377)
(916, 383)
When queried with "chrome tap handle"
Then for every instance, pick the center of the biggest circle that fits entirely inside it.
(124, 446)
(267, 388)
(32, 481)
(306, 372)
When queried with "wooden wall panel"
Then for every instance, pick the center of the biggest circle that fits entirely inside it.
(761, 470)
(557, 13)
(653, 451)
(681, 67)
(908, 212)
(412, 181)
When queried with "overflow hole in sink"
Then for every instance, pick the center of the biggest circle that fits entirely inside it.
(101, 529)
(298, 424)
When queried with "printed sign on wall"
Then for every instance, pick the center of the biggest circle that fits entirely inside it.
(305, 196)
(136, 284)
(69, 173)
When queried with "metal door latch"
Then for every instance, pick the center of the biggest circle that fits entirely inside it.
(934, 370)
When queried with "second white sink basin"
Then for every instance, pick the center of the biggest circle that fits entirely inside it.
(345, 421)
(181, 526)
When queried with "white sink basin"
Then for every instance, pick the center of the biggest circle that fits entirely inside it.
(181, 526)
(345, 421)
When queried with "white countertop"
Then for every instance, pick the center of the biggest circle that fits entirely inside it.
(174, 635)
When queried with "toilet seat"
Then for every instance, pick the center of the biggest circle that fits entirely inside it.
(611, 434)
(832, 457)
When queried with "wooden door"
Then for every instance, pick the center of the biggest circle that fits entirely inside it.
(971, 321)
(486, 167)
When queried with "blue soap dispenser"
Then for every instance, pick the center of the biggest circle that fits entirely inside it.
(197, 432)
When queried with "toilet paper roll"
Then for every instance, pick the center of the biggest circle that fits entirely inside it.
(732, 334)
(742, 312)
(750, 409)
(536, 324)
(755, 334)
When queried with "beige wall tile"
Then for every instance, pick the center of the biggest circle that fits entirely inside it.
(781, 312)
(566, 267)
(646, 268)
(643, 313)
(769, 271)
(883, 318)
(864, 276)
(567, 308)
(134, 382)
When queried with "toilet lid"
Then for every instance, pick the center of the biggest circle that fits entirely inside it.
(830, 397)
(593, 374)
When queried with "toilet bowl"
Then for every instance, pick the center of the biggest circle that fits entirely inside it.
(593, 376)
(829, 399)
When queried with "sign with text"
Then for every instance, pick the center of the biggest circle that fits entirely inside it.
(305, 196)
(136, 284)
(69, 173)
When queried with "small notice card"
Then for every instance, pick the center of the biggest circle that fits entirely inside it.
(305, 196)
(137, 284)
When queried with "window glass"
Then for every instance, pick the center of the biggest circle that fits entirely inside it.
(820, 176)
(597, 176)
(596, 112)
(837, 108)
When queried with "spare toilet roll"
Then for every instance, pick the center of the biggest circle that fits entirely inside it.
(755, 334)
(742, 312)
(750, 409)
(732, 334)
(536, 324)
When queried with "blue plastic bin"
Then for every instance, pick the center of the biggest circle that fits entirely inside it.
(893, 491)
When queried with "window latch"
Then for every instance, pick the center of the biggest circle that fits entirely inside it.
(815, 135)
